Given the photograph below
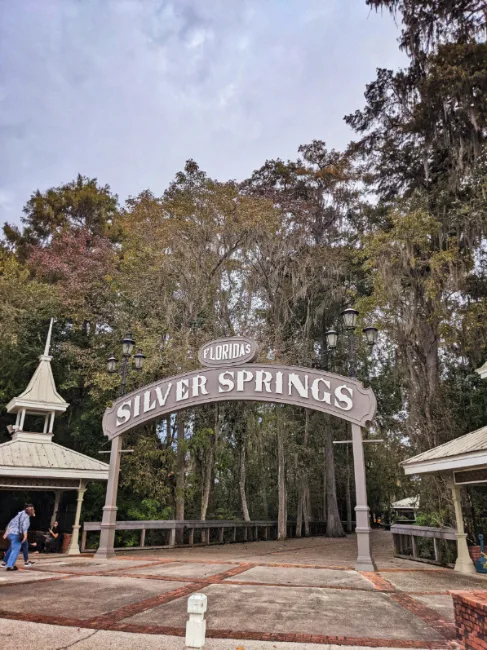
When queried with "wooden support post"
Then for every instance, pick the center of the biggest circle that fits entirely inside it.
(256, 536)
(234, 536)
(395, 544)
(220, 535)
(191, 536)
(142, 537)
(83, 540)
(207, 536)
(437, 550)
(172, 537)
(414, 545)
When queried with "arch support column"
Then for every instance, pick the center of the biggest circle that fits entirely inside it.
(362, 519)
(109, 519)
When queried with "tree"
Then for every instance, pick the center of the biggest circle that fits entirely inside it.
(79, 205)
(301, 271)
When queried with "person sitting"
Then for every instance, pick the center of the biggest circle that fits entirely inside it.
(48, 542)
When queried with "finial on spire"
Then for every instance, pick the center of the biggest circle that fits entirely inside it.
(48, 340)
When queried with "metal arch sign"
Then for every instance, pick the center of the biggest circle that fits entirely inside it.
(340, 396)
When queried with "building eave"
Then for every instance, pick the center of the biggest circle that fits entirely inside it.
(446, 464)
(34, 407)
(42, 472)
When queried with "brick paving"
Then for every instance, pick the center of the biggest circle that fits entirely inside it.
(301, 591)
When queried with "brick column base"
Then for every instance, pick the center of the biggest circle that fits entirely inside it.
(471, 618)
(475, 553)
(66, 542)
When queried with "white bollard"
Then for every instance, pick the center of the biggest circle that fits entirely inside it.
(196, 625)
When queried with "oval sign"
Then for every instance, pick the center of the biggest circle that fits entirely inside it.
(230, 351)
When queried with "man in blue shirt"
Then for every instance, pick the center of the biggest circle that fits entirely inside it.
(17, 534)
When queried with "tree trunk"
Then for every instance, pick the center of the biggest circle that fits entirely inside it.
(306, 509)
(265, 505)
(303, 513)
(169, 432)
(299, 514)
(281, 481)
(334, 526)
(241, 483)
(210, 464)
(306, 494)
(180, 473)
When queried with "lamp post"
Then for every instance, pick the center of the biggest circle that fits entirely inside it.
(128, 345)
(349, 318)
(362, 517)
(109, 519)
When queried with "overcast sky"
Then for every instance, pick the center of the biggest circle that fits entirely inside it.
(127, 90)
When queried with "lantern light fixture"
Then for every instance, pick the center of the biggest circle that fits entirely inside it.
(331, 338)
(139, 360)
(350, 316)
(112, 364)
(371, 334)
(127, 345)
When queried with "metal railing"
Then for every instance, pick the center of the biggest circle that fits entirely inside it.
(408, 541)
(209, 532)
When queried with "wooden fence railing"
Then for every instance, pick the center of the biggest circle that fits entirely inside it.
(208, 532)
(406, 541)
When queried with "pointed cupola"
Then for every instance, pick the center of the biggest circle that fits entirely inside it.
(40, 397)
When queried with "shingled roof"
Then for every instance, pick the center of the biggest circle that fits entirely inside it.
(466, 451)
(35, 455)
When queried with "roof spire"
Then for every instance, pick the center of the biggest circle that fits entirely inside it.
(48, 340)
(41, 395)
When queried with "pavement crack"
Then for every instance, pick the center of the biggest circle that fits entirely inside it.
(71, 645)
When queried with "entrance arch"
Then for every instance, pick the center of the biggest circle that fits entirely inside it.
(228, 376)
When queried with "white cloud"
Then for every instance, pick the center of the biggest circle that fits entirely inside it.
(7, 199)
(127, 90)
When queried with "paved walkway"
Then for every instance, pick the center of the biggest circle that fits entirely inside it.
(299, 593)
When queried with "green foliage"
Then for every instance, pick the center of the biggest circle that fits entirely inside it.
(148, 509)
(435, 519)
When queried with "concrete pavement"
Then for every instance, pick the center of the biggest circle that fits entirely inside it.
(303, 593)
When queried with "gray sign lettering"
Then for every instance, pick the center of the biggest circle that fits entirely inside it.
(231, 351)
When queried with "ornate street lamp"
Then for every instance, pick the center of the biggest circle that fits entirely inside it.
(107, 536)
(128, 344)
(350, 318)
